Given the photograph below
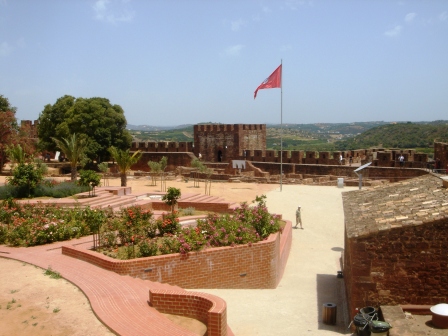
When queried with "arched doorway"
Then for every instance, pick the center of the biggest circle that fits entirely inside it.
(219, 155)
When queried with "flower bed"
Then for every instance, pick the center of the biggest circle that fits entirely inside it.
(137, 234)
(259, 265)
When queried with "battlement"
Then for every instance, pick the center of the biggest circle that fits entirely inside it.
(162, 146)
(228, 127)
(30, 127)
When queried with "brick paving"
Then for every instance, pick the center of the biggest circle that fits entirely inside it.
(119, 302)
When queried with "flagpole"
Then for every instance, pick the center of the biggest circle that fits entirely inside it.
(281, 126)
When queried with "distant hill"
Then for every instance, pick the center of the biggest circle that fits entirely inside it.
(322, 136)
(400, 135)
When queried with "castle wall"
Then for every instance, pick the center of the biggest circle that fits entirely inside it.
(441, 154)
(221, 143)
(174, 160)
(398, 266)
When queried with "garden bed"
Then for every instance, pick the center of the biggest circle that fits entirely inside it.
(259, 265)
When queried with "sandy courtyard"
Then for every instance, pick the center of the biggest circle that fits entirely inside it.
(34, 304)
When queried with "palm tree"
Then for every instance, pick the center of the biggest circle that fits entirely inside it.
(73, 148)
(124, 161)
(16, 154)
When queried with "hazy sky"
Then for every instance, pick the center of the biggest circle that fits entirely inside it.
(188, 61)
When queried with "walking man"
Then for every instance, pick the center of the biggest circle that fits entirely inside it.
(298, 218)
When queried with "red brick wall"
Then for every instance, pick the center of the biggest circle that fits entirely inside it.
(407, 265)
(209, 309)
(260, 265)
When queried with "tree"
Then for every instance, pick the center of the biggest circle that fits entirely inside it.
(124, 161)
(16, 154)
(103, 167)
(171, 197)
(26, 176)
(73, 147)
(155, 169)
(90, 179)
(98, 121)
(158, 168)
(8, 128)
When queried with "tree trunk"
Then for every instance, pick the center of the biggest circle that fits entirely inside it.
(74, 172)
(123, 179)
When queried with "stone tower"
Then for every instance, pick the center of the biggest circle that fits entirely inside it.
(221, 143)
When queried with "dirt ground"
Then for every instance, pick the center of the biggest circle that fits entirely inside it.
(34, 304)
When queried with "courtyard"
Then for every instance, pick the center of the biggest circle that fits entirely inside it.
(309, 280)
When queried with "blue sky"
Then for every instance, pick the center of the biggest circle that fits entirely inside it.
(170, 62)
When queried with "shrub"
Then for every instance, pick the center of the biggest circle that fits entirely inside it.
(26, 177)
(135, 224)
(168, 245)
(191, 239)
(169, 224)
(90, 179)
(60, 190)
(29, 225)
(147, 248)
(188, 211)
(258, 217)
(8, 191)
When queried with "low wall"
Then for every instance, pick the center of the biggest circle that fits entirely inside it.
(209, 309)
(392, 174)
(260, 265)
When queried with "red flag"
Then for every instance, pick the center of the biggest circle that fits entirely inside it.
(273, 81)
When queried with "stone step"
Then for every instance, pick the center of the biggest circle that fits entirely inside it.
(116, 203)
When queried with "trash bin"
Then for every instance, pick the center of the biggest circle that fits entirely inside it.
(369, 313)
(340, 182)
(362, 325)
(379, 328)
(329, 313)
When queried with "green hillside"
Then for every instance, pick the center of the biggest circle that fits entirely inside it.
(327, 137)
(401, 135)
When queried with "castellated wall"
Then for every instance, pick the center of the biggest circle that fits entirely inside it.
(222, 143)
(294, 162)
(30, 126)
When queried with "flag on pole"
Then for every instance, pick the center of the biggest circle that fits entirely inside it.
(273, 81)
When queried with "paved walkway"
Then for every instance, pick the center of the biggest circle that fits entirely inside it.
(293, 308)
(120, 302)
(309, 281)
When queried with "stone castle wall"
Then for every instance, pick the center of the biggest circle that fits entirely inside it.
(441, 153)
(222, 143)
(406, 265)
(30, 127)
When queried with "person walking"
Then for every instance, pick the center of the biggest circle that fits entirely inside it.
(401, 158)
(298, 218)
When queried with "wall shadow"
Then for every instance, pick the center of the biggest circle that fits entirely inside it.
(330, 289)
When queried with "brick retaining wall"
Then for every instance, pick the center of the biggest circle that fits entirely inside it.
(209, 309)
(260, 265)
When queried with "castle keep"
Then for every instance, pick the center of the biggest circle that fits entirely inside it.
(221, 143)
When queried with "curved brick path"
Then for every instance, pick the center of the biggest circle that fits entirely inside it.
(120, 302)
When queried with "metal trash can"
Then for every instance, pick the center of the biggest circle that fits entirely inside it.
(329, 313)
(362, 325)
(379, 328)
(340, 182)
(369, 313)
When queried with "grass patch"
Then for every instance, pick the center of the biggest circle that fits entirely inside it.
(52, 274)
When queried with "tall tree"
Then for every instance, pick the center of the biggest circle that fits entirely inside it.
(8, 128)
(124, 160)
(73, 147)
(95, 119)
